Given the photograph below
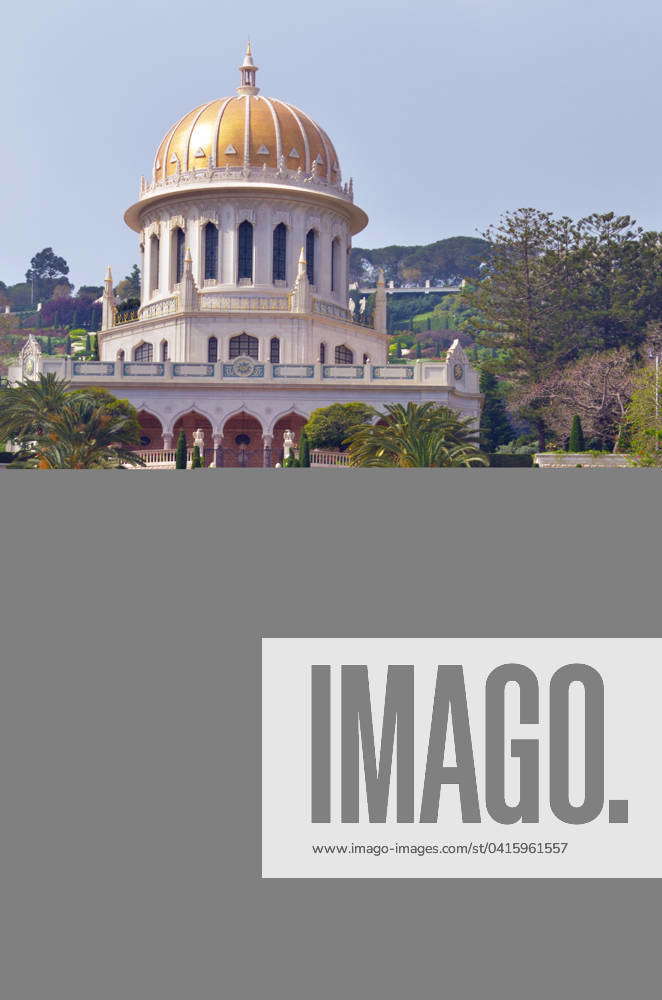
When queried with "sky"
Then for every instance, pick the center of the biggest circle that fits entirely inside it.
(447, 113)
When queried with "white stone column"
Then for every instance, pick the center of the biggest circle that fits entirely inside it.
(143, 272)
(218, 450)
(262, 247)
(267, 443)
(164, 261)
(227, 249)
(323, 263)
(197, 247)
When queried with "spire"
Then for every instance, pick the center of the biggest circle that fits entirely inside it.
(302, 264)
(380, 323)
(301, 301)
(248, 69)
(108, 301)
(188, 292)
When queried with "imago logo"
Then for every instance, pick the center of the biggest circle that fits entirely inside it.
(352, 730)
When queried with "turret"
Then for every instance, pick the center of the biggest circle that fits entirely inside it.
(380, 303)
(248, 71)
(188, 292)
(301, 300)
(108, 301)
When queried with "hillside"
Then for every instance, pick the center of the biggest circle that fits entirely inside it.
(446, 261)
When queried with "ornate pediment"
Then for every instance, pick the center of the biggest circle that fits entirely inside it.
(31, 358)
(456, 353)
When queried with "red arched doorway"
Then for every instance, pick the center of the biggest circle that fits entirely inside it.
(243, 447)
(290, 422)
(189, 423)
(151, 432)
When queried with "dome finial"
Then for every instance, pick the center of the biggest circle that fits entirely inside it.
(248, 69)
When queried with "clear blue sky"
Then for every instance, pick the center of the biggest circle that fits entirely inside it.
(446, 112)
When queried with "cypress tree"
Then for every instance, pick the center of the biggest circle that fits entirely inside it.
(67, 345)
(196, 459)
(576, 442)
(88, 346)
(398, 349)
(495, 428)
(304, 451)
(180, 455)
(49, 345)
(418, 349)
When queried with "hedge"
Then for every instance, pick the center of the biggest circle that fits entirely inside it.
(499, 461)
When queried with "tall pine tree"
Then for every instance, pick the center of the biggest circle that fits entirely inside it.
(576, 441)
(495, 427)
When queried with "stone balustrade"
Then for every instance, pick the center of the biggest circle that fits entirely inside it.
(581, 459)
(165, 458)
(246, 369)
(208, 301)
(329, 459)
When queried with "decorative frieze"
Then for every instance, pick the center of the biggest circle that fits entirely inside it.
(294, 371)
(280, 175)
(342, 371)
(211, 302)
(399, 373)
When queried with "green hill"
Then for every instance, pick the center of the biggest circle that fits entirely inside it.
(446, 261)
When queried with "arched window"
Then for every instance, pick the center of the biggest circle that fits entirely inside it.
(274, 351)
(335, 257)
(212, 350)
(366, 359)
(280, 252)
(154, 249)
(120, 355)
(245, 252)
(180, 249)
(323, 353)
(211, 250)
(243, 345)
(344, 356)
(164, 350)
(311, 240)
(144, 352)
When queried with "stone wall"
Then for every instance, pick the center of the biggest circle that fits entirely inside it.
(571, 460)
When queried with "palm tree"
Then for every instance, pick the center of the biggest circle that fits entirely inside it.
(417, 436)
(85, 435)
(26, 407)
(59, 429)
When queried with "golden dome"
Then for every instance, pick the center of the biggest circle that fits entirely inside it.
(243, 141)
(247, 131)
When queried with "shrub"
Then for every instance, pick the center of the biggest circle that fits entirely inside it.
(304, 451)
(502, 460)
(180, 455)
(576, 441)
(328, 426)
